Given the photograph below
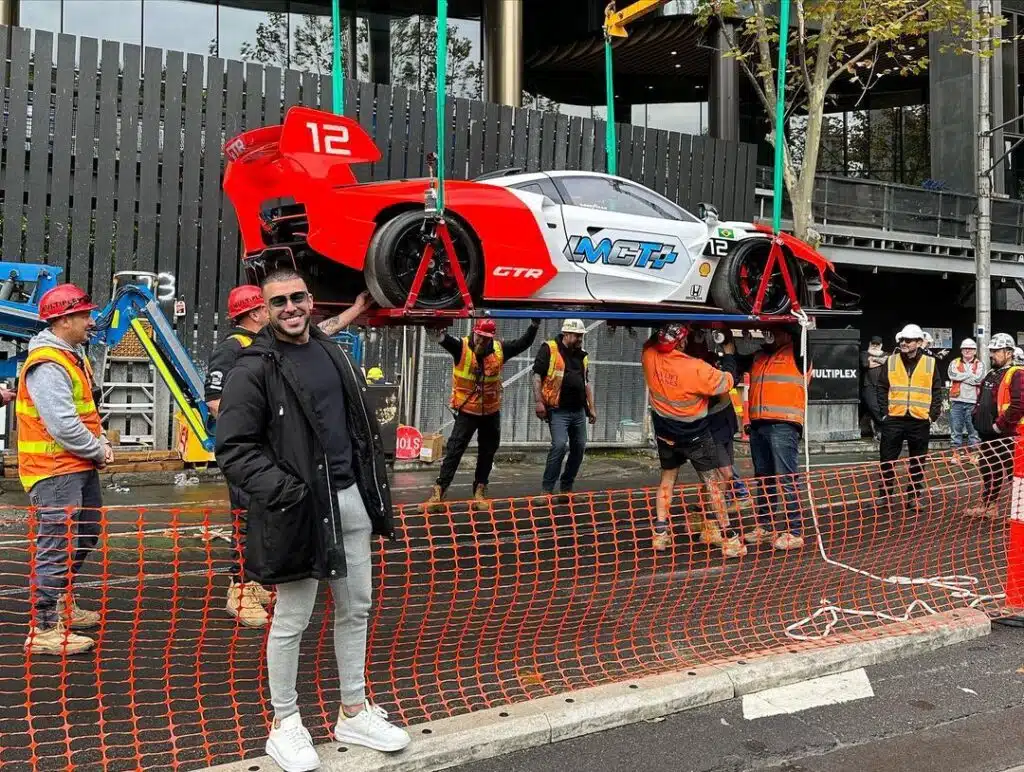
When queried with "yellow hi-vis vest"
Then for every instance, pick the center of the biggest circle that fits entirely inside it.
(911, 394)
(39, 454)
(472, 392)
(551, 388)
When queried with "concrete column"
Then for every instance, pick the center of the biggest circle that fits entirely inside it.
(380, 48)
(502, 34)
(724, 96)
(9, 12)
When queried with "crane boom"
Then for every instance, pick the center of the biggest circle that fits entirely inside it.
(615, 22)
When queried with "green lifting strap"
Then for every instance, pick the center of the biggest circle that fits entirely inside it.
(337, 74)
(780, 119)
(609, 88)
(442, 72)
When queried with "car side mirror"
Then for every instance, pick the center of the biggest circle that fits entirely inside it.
(708, 213)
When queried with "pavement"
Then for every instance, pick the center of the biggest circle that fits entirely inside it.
(958, 709)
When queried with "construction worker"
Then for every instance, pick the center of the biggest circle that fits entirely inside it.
(562, 397)
(375, 375)
(966, 373)
(476, 403)
(778, 395)
(910, 399)
(247, 601)
(61, 447)
(997, 418)
(681, 387)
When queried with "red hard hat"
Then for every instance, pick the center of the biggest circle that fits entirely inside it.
(486, 327)
(670, 335)
(63, 300)
(243, 299)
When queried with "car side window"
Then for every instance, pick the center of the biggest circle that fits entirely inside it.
(614, 196)
(543, 187)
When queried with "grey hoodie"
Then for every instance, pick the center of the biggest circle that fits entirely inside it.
(51, 390)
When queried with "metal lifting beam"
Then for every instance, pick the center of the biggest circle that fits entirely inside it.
(615, 22)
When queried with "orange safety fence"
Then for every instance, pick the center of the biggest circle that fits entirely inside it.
(474, 609)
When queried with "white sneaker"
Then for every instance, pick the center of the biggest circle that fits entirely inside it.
(291, 746)
(370, 728)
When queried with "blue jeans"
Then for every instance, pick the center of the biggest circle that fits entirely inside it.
(69, 529)
(775, 451)
(961, 422)
(568, 433)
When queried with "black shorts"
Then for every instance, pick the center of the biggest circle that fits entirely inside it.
(700, 451)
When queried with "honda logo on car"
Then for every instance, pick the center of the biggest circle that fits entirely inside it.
(518, 273)
(833, 373)
(642, 254)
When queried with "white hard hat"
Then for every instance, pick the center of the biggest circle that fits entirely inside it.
(928, 338)
(574, 325)
(910, 332)
(1001, 341)
(968, 343)
(1018, 356)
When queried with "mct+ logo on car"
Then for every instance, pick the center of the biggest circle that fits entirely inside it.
(641, 254)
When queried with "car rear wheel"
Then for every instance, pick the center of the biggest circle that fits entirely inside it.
(735, 284)
(394, 256)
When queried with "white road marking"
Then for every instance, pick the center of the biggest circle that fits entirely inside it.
(813, 693)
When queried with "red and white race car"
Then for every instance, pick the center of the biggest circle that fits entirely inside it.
(565, 238)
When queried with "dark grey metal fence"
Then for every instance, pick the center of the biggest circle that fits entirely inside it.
(112, 157)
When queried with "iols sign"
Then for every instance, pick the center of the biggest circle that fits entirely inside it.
(640, 254)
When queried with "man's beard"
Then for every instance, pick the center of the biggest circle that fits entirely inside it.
(279, 329)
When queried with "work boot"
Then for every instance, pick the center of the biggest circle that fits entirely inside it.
(480, 500)
(435, 502)
(662, 541)
(78, 618)
(711, 533)
(56, 642)
(244, 605)
(788, 541)
(543, 499)
(758, 535)
(261, 593)
(732, 547)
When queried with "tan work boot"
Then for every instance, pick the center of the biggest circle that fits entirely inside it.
(78, 618)
(733, 547)
(435, 503)
(480, 501)
(758, 535)
(662, 541)
(56, 642)
(244, 606)
(261, 593)
(710, 533)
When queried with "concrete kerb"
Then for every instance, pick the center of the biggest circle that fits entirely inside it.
(493, 732)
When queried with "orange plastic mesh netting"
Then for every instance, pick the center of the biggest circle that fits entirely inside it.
(479, 608)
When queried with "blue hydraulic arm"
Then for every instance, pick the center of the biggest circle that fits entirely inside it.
(130, 305)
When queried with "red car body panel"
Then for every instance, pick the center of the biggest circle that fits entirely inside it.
(308, 160)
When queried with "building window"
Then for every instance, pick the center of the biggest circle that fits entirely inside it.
(180, 25)
(414, 55)
(254, 36)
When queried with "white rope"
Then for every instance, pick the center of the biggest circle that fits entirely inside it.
(961, 587)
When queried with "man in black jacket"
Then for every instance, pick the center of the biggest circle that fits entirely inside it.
(296, 435)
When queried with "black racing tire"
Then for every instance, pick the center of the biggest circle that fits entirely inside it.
(735, 283)
(394, 256)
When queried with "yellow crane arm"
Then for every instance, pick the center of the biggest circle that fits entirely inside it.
(615, 22)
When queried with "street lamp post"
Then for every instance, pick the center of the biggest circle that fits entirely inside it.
(983, 234)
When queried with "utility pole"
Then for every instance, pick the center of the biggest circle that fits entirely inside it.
(983, 235)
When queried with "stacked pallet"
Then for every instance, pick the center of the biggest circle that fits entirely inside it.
(125, 460)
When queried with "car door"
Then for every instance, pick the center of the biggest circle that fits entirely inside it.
(635, 246)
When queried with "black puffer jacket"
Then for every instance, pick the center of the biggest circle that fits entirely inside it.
(266, 445)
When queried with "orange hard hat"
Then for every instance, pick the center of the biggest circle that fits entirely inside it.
(486, 327)
(64, 300)
(243, 299)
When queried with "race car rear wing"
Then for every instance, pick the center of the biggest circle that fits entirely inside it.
(312, 149)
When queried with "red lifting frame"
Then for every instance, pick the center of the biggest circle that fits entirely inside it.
(776, 256)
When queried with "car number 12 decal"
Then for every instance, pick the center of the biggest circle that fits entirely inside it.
(717, 248)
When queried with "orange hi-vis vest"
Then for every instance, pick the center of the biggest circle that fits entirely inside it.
(551, 388)
(680, 385)
(778, 390)
(39, 455)
(911, 394)
(472, 392)
(1003, 393)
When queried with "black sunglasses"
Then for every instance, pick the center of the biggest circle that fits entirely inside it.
(296, 298)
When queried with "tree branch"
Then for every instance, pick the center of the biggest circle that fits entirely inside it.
(871, 46)
(802, 22)
(751, 75)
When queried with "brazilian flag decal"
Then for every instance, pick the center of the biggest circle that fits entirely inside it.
(726, 233)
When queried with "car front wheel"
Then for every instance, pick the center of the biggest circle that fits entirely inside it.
(736, 282)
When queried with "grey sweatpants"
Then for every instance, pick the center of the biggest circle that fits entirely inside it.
(352, 599)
